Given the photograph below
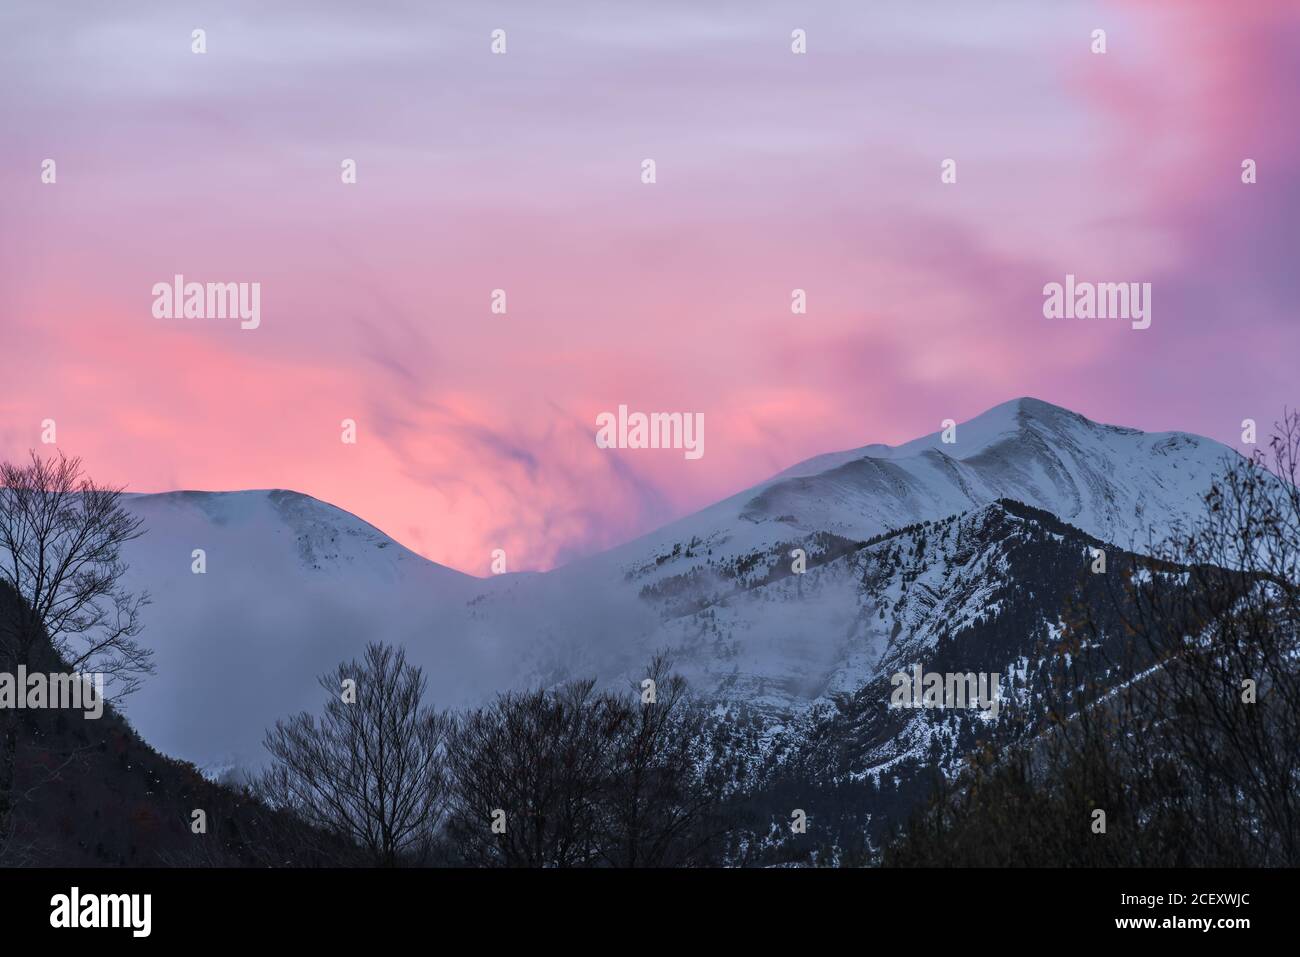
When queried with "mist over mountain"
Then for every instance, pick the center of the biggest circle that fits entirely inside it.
(293, 585)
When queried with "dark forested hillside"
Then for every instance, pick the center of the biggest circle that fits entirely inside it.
(861, 767)
(91, 792)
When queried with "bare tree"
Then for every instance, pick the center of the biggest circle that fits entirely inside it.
(527, 772)
(371, 770)
(575, 778)
(61, 536)
(661, 806)
(1226, 630)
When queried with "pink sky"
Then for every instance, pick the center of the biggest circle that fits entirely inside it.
(521, 172)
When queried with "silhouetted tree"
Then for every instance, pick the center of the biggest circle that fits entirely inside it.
(61, 536)
(526, 773)
(1225, 629)
(660, 803)
(572, 777)
(371, 770)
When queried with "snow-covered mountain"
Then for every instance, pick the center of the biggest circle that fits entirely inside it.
(289, 583)
(1115, 483)
(293, 585)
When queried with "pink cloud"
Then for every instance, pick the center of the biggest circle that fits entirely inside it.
(476, 431)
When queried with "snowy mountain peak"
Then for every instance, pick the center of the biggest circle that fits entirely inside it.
(261, 524)
(1119, 484)
(1008, 420)
(293, 585)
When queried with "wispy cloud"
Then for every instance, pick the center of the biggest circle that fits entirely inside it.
(479, 172)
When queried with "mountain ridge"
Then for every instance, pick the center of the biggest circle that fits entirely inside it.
(292, 585)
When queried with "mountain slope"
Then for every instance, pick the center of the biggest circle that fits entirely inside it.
(989, 592)
(89, 793)
(1115, 483)
(292, 585)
